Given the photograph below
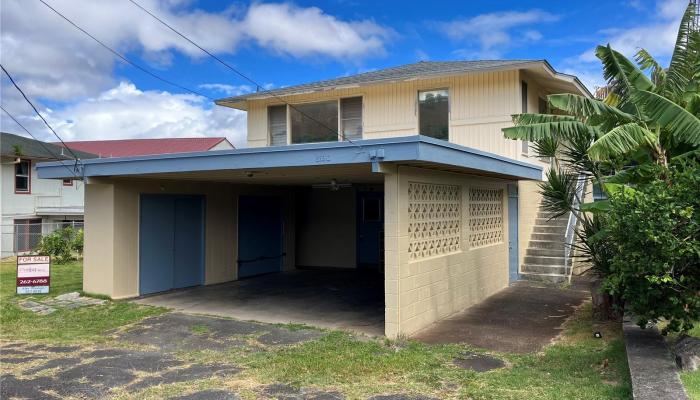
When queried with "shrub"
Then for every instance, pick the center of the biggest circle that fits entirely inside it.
(655, 233)
(59, 244)
(77, 243)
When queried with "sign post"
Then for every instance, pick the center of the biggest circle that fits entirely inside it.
(33, 274)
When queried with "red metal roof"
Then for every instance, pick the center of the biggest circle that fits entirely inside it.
(138, 147)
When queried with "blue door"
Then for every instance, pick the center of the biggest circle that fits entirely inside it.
(260, 246)
(513, 256)
(370, 229)
(171, 242)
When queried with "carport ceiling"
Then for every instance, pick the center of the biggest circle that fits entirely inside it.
(295, 176)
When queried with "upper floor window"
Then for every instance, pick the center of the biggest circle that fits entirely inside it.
(23, 176)
(67, 182)
(434, 113)
(277, 122)
(316, 122)
(523, 100)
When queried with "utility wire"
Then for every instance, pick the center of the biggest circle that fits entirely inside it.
(239, 73)
(77, 160)
(116, 53)
(40, 142)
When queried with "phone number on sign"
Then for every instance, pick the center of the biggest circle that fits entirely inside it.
(32, 281)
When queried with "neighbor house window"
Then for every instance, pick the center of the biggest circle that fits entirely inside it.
(523, 100)
(23, 177)
(314, 122)
(351, 118)
(277, 122)
(433, 113)
(67, 182)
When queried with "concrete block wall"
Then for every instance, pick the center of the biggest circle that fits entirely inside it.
(419, 292)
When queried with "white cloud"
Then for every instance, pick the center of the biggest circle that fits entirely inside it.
(126, 112)
(302, 32)
(493, 33)
(55, 61)
(657, 36)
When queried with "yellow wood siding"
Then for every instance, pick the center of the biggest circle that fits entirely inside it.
(481, 104)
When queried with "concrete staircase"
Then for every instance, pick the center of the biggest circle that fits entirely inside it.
(544, 256)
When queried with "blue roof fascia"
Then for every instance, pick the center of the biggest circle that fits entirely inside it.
(407, 148)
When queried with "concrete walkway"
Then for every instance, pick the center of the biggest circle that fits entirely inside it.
(522, 318)
(328, 298)
(652, 369)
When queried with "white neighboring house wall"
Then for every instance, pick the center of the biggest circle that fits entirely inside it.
(49, 200)
(222, 145)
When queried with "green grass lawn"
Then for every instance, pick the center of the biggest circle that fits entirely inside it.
(691, 380)
(577, 366)
(86, 324)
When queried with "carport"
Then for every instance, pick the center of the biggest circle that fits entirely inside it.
(323, 233)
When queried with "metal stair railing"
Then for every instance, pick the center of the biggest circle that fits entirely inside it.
(572, 223)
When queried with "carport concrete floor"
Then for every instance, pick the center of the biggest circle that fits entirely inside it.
(329, 298)
(521, 318)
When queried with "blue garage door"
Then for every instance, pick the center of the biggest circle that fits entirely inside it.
(171, 242)
(259, 235)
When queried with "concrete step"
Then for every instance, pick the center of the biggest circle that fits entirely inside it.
(549, 215)
(549, 229)
(544, 260)
(545, 252)
(549, 237)
(552, 278)
(554, 243)
(544, 269)
(551, 222)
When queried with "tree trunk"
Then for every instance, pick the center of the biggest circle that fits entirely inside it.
(603, 304)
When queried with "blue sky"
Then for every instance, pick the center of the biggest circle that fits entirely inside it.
(87, 94)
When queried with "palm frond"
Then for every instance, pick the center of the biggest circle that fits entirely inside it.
(585, 107)
(621, 140)
(558, 191)
(683, 126)
(546, 148)
(681, 68)
(647, 62)
(622, 75)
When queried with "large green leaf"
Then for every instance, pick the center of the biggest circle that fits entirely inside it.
(647, 62)
(596, 206)
(586, 107)
(621, 140)
(683, 126)
(622, 75)
(526, 119)
(555, 129)
(681, 68)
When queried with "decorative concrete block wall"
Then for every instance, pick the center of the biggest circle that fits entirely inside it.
(446, 245)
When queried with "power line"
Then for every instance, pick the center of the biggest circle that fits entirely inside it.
(239, 73)
(40, 142)
(121, 56)
(77, 160)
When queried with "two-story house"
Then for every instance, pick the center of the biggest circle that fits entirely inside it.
(31, 206)
(401, 177)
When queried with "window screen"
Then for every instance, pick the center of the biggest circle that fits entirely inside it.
(351, 117)
(277, 119)
(315, 122)
(433, 113)
(22, 176)
(523, 93)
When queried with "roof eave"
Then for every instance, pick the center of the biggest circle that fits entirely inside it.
(391, 150)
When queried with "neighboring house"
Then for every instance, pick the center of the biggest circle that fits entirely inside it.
(31, 206)
(140, 147)
(447, 217)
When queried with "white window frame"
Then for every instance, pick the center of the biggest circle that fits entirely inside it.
(339, 136)
(416, 110)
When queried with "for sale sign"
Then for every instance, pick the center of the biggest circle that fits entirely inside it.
(33, 274)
